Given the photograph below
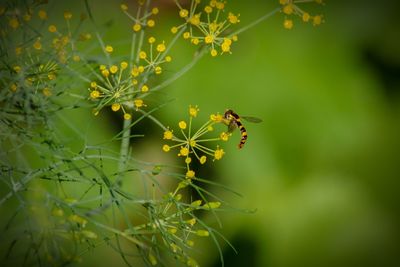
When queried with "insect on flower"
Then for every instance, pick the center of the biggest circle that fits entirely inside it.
(233, 121)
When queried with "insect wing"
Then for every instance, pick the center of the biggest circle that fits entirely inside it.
(232, 126)
(251, 119)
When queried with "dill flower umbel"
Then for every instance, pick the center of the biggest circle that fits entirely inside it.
(191, 144)
(292, 8)
(208, 26)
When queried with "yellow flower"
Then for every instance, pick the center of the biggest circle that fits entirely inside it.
(52, 28)
(14, 23)
(190, 174)
(158, 70)
(168, 135)
(224, 136)
(306, 17)
(124, 65)
(94, 94)
(193, 111)
(109, 49)
(166, 148)
(288, 9)
(317, 20)
(208, 9)
(142, 55)
(127, 116)
(288, 24)
(202, 233)
(233, 19)
(138, 103)
(145, 88)
(174, 29)
(113, 69)
(136, 27)
(37, 45)
(184, 151)
(183, 13)
(124, 7)
(168, 58)
(186, 35)
(115, 107)
(219, 152)
(216, 117)
(154, 11)
(203, 159)
(42, 14)
(209, 39)
(67, 15)
(151, 23)
(161, 47)
(152, 40)
(188, 160)
(105, 73)
(182, 125)
(93, 85)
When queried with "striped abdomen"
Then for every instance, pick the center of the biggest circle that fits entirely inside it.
(233, 117)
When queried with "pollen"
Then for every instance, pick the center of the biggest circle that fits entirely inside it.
(115, 107)
(182, 125)
(168, 135)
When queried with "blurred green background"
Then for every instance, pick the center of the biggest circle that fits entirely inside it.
(322, 170)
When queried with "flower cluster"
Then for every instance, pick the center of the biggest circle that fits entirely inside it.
(142, 18)
(291, 7)
(33, 51)
(207, 26)
(191, 145)
(122, 86)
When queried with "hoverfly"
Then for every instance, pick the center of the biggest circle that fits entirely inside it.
(233, 121)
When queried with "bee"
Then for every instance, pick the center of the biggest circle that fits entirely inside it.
(233, 121)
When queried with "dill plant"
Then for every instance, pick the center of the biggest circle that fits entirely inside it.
(60, 200)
